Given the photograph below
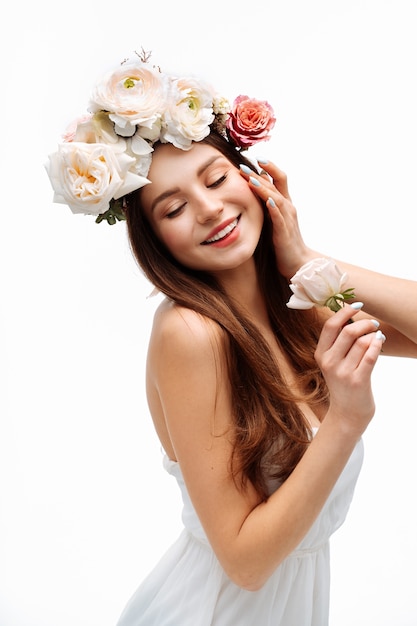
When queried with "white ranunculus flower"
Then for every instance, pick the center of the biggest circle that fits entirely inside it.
(127, 130)
(189, 113)
(98, 129)
(142, 165)
(152, 133)
(87, 176)
(133, 95)
(318, 283)
(141, 151)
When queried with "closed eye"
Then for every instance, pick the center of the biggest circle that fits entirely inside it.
(218, 182)
(175, 212)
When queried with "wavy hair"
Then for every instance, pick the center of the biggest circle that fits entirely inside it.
(267, 421)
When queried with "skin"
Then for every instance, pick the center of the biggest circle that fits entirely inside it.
(187, 386)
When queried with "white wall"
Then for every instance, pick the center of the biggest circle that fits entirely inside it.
(86, 508)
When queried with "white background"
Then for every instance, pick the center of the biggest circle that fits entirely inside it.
(86, 508)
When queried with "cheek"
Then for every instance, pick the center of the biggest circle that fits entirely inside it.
(248, 196)
(257, 209)
(172, 237)
(169, 240)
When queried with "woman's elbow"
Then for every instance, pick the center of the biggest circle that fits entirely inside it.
(247, 579)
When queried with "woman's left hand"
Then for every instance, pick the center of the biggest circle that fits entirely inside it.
(272, 188)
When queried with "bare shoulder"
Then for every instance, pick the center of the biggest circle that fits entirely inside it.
(187, 387)
(175, 326)
(169, 315)
(182, 337)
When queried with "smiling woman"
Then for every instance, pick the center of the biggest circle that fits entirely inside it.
(200, 205)
(259, 407)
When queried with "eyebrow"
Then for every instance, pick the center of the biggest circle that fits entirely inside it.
(170, 192)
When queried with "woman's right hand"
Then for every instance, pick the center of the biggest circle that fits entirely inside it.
(346, 354)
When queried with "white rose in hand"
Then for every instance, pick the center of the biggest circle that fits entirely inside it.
(88, 176)
(319, 283)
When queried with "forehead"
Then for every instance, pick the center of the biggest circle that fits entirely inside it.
(166, 156)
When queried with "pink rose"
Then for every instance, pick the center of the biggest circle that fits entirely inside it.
(70, 133)
(250, 121)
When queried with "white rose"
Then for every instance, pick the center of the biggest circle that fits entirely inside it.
(99, 129)
(87, 176)
(133, 94)
(318, 283)
(189, 113)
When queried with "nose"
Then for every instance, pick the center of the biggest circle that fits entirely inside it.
(209, 207)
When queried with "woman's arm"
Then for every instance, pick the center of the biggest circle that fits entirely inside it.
(187, 368)
(392, 301)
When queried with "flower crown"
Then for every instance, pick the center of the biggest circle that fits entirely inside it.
(107, 153)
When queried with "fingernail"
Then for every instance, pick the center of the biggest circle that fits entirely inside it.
(245, 169)
(379, 335)
(271, 202)
(375, 323)
(263, 161)
(254, 181)
(357, 305)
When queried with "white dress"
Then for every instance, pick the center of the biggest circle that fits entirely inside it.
(188, 586)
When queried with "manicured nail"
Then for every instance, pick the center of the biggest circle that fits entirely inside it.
(245, 169)
(375, 323)
(263, 161)
(271, 202)
(379, 335)
(254, 181)
(357, 305)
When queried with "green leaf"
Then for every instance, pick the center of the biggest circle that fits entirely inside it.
(337, 301)
(113, 214)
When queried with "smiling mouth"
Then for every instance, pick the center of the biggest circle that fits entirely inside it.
(222, 234)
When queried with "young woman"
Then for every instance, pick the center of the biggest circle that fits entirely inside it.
(259, 407)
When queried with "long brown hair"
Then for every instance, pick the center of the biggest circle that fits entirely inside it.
(264, 409)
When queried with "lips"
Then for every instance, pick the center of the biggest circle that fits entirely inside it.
(221, 232)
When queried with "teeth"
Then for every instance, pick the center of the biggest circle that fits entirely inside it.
(222, 233)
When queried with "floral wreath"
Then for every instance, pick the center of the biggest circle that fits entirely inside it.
(107, 153)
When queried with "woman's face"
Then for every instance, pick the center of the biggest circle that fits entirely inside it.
(201, 208)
